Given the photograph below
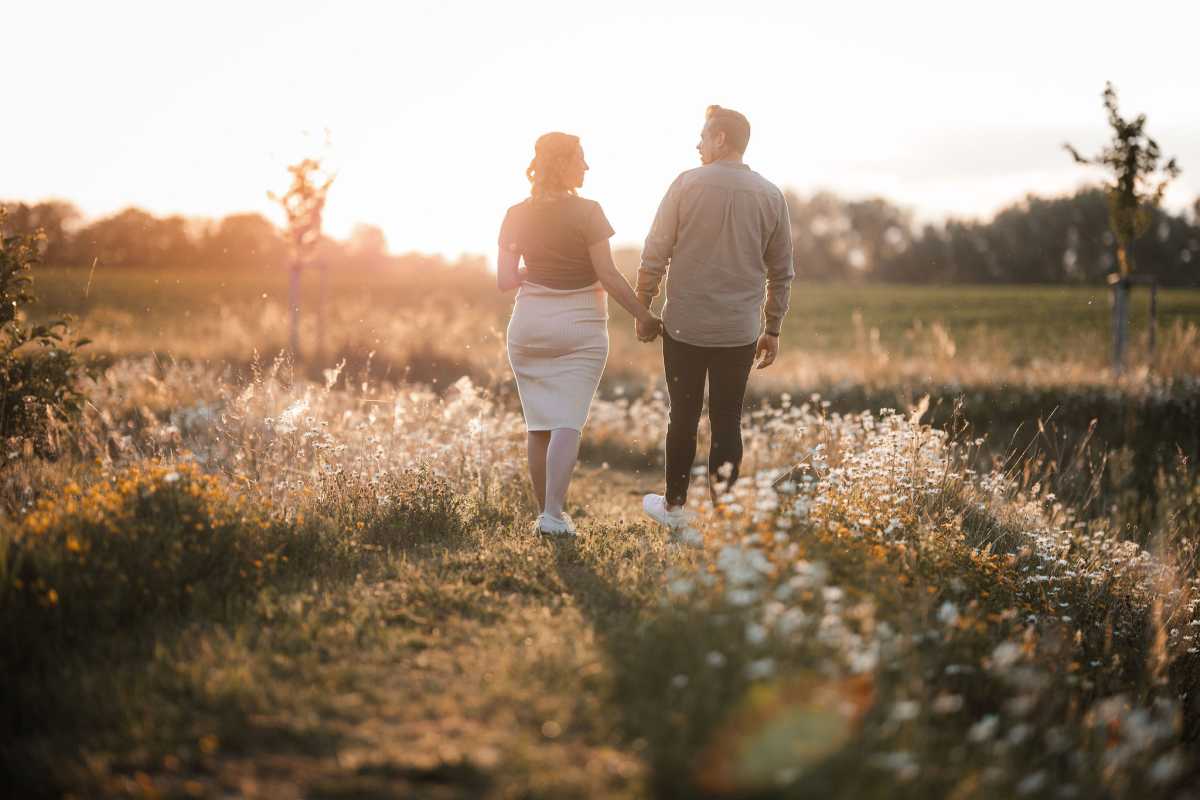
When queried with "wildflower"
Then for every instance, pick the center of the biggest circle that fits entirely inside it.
(865, 660)
(947, 703)
(984, 729)
(1032, 783)
(1005, 655)
(742, 597)
(809, 575)
(715, 659)
(1019, 733)
(791, 621)
(680, 586)
(1167, 767)
(906, 710)
(742, 565)
(761, 668)
(948, 613)
(901, 762)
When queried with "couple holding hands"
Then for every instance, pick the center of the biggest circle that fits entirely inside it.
(722, 240)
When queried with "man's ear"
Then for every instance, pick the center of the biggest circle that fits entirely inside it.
(720, 142)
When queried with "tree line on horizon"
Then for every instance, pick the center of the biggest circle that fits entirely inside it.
(1059, 240)
(136, 239)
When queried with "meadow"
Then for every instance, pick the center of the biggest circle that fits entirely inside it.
(961, 561)
(438, 323)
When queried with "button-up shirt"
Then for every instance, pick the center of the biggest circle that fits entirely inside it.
(722, 237)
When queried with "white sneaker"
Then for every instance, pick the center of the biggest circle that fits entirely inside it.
(555, 526)
(655, 506)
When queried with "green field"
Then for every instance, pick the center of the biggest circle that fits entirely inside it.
(947, 332)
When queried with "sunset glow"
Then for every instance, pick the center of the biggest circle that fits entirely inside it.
(433, 107)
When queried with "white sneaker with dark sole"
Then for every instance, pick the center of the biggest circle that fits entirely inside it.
(655, 506)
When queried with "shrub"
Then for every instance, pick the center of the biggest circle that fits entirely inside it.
(151, 541)
(39, 364)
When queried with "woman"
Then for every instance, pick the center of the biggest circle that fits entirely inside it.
(558, 334)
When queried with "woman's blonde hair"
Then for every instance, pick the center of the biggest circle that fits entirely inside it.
(552, 153)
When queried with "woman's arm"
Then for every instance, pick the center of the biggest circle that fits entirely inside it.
(616, 284)
(508, 273)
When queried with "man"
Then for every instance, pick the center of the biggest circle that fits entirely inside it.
(722, 238)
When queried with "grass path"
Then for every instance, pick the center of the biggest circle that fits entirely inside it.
(494, 663)
(468, 668)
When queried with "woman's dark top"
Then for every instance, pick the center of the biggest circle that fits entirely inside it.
(552, 236)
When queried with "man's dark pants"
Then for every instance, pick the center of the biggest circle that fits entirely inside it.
(727, 370)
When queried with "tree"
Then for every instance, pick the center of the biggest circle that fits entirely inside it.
(55, 219)
(855, 240)
(1136, 183)
(1136, 189)
(135, 238)
(243, 241)
(367, 247)
(879, 232)
(303, 204)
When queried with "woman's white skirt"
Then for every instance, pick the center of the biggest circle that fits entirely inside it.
(557, 346)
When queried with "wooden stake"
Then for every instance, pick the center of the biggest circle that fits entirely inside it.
(294, 309)
(1120, 287)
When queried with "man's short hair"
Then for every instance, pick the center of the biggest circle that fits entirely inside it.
(733, 124)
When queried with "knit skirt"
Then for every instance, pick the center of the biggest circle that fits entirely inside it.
(557, 346)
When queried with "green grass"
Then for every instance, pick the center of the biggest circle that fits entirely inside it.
(1025, 321)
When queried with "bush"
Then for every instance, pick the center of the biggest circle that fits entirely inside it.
(39, 365)
(151, 541)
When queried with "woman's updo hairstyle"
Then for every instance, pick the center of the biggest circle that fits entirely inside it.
(552, 154)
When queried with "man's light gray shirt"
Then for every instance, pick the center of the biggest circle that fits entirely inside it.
(722, 237)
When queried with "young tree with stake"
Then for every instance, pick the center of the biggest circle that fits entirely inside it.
(1135, 187)
(303, 203)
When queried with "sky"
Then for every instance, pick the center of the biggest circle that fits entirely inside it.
(432, 108)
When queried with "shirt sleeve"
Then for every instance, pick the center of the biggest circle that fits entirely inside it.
(596, 227)
(660, 243)
(780, 269)
(510, 234)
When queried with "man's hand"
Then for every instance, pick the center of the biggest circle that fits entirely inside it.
(767, 351)
(648, 327)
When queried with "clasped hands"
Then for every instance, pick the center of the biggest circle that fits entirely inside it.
(648, 327)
